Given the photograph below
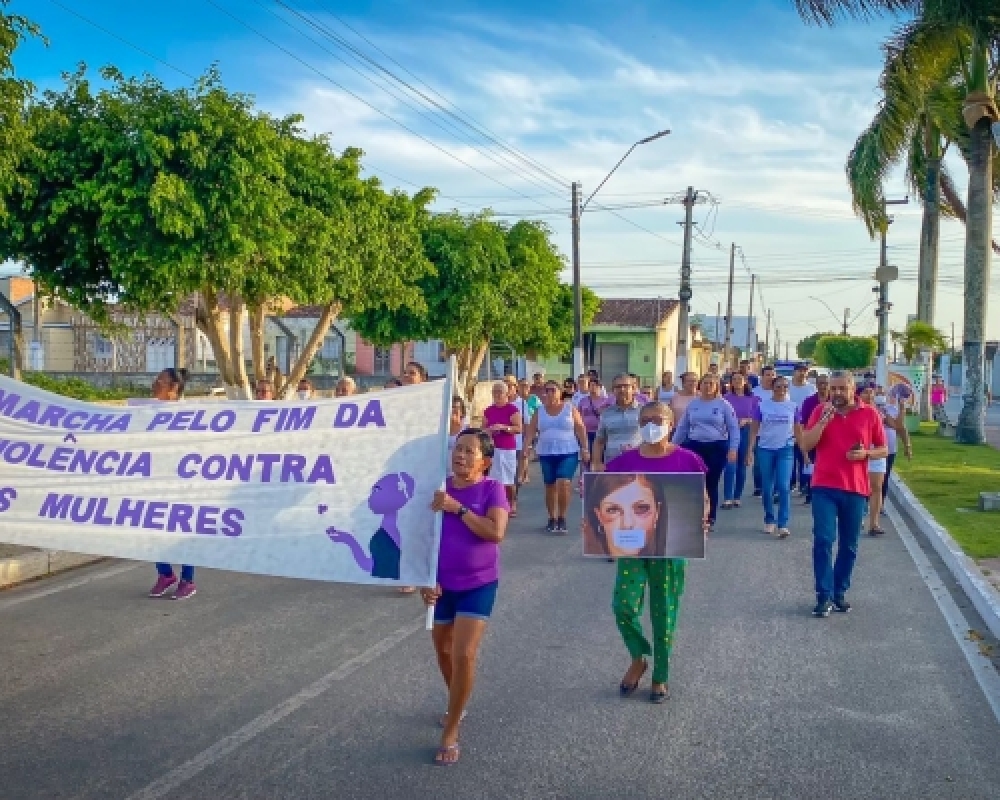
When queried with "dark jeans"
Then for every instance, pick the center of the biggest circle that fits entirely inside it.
(890, 460)
(797, 478)
(735, 477)
(714, 455)
(187, 571)
(837, 517)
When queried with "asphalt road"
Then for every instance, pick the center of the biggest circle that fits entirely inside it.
(268, 688)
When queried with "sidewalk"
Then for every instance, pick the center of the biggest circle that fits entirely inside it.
(21, 564)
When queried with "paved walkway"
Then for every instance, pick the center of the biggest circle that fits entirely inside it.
(269, 688)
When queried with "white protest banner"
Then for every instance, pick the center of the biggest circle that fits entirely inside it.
(336, 490)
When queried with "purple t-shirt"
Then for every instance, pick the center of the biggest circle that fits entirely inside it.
(743, 404)
(502, 415)
(680, 460)
(590, 409)
(466, 561)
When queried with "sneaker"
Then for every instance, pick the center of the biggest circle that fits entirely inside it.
(552, 527)
(561, 525)
(185, 589)
(770, 528)
(784, 533)
(841, 605)
(162, 585)
(823, 608)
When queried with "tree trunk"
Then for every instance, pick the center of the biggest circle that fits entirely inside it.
(978, 236)
(239, 389)
(951, 195)
(475, 362)
(930, 228)
(256, 317)
(208, 318)
(312, 346)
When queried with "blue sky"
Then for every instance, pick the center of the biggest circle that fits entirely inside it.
(763, 111)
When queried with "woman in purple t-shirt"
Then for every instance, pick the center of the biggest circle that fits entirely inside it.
(664, 576)
(474, 522)
(503, 421)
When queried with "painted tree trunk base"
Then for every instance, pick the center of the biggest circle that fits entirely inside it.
(971, 425)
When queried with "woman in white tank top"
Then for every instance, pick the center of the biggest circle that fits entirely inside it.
(562, 444)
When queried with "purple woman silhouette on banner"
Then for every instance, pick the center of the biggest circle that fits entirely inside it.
(389, 494)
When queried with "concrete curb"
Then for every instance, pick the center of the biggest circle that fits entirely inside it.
(980, 591)
(39, 564)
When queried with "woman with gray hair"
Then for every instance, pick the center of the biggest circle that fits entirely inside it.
(345, 387)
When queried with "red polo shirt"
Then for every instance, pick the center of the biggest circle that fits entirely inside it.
(833, 470)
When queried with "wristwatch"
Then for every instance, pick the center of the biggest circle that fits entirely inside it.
(462, 511)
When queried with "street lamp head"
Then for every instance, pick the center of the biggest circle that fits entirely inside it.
(653, 138)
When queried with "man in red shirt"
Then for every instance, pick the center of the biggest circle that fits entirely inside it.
(844, 434)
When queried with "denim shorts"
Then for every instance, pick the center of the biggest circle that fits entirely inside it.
(558, 468)
(475, 603)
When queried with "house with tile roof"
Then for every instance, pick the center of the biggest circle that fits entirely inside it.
(628, 334)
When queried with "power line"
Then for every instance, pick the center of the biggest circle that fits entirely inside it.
(457, 113)
(360, 57)
(360, 99)
(121, 39)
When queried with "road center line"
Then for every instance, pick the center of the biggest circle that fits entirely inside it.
(222, 748)
(14, 597)
(982, 667)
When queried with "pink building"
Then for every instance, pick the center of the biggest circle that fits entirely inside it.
(388, 361)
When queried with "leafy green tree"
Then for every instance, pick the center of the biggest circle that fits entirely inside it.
(492, 282)
(806, 348)
(972, 29)
(919, 336)
(15, 137)
(846, 352)
(138, 195)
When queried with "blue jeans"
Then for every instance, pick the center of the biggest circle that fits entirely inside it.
(187, 571)
(775, 478)
(735, 476)
(837, 516)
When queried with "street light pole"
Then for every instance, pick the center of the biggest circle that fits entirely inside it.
(577, 213)
(578, 359)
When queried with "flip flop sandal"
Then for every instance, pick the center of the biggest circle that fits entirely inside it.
(443, 752)
(627, 690)
(658, 696)
(441, 722)
(876, 532)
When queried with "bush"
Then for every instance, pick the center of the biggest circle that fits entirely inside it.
(79, 389)
(846, 352)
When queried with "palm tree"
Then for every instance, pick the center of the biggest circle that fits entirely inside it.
(973, 26)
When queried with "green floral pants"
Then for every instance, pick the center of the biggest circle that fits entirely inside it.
(665, 577)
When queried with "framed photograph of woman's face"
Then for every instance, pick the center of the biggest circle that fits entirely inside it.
(643, 514)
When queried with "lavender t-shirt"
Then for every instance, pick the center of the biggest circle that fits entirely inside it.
(466, 561)
(680, 460)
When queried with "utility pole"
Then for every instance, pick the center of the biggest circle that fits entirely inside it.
(718, 316)
(884, 275)
(767, 337)
(777, 344)
(847, 316)
(578, 365)
(685, 294)
(750, 347)
(786, 351)
(729, 304)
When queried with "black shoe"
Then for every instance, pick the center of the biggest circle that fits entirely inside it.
(823, 608)
(552, 527)
(809, 500)
(841, 605)
(561, 525)
(757, 493)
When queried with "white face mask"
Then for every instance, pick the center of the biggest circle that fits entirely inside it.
(652, 433)
(303, 394)
(880, 400)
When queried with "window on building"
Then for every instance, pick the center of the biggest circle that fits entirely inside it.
(331, 348)
(383, 360)
(103, 347)
(429, 351)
